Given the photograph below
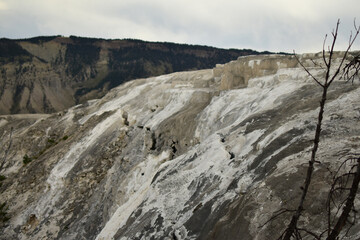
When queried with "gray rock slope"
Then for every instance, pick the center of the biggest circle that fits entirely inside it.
(209, 154)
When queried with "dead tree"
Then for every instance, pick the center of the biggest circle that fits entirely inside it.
(292, 229)
(345, 207)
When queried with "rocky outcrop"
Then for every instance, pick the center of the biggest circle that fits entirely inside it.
(50, 74)
(236, 74)
(178, 157)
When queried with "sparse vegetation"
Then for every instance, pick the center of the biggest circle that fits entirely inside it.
(3, 213)
(26, 159)
(50, 142)
(2, 178)
(12, 51)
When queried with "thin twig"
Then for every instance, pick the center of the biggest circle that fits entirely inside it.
(323, 52)
(309, 232)
(280, 212)
(308, 72)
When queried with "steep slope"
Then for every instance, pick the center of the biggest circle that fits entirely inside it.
(50, 74)
(208, 154)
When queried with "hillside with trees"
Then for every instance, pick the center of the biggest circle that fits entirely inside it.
(49, 74)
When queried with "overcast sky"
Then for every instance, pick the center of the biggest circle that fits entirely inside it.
(274, 25)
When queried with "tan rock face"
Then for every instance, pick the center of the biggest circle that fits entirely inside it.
(236, 74)
(33, 87)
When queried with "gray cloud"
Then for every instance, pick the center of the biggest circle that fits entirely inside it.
(276, 25)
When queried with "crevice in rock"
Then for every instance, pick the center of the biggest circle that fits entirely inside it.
(153, 142)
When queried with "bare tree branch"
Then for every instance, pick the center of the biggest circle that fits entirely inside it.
(348, 206)
(316, 64)
(310, 233)
(353, 65)
(292, 228)
(308, 72)
(323, 52)
(278, 214)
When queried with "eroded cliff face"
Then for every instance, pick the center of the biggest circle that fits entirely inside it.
(50, 74)
(190, 155)
(237, 74)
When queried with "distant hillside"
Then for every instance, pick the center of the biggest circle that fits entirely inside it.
(49, 74)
